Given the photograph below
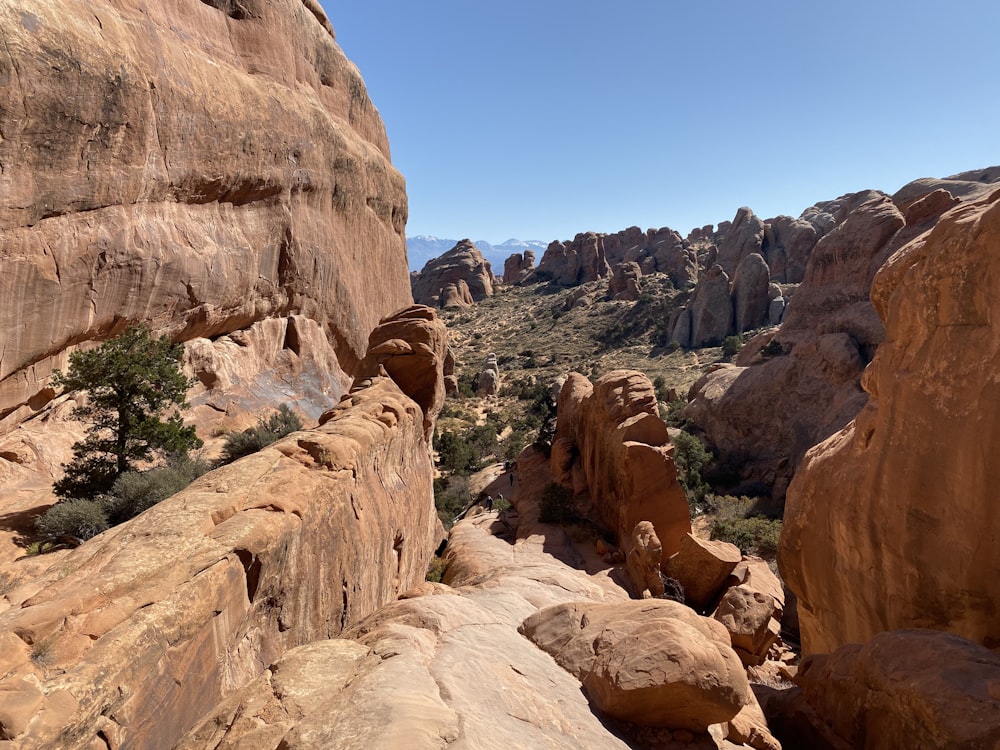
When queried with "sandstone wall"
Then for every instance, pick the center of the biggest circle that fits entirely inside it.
(612, 447)
(135, 634)
(198, 166)
(892, 522)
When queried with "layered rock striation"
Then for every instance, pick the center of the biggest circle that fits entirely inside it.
(911, 543)
(195, 166)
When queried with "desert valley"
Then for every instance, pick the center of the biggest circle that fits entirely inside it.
(730, 488)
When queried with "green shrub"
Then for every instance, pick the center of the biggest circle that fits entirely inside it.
(436, 569)
(136, 491)
(451, 497)
(731, 345)
(455, 453)
(557, 505)
(240, 444)
(738, 520)
(79, 519)
(690, 458)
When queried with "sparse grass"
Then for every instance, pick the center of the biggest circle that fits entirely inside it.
(7, 583)
(42, 651)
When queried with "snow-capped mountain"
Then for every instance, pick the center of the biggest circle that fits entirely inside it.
(422, 247)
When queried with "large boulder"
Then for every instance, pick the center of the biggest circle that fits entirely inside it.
(702, 568)
(750, 293)
(915, 458)
(458, 278)
(195, 166)
(617, 453)
(652, 662)
(518, 267)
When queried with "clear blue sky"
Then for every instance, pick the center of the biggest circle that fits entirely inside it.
(542, 119)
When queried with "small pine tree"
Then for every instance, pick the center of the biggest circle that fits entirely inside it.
(132, 381)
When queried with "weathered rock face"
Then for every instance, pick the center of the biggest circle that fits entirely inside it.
(744, 236)
(619, 453)
(456, 279)
(575, 262)
(518, 267)
(194, 166)
(786, 247)
(702, 568)
(916, 689)
(488, 383)
(916, 458)
(762, 418)
(711, 308)
(624, 282)
(751, 284)
(642, 563)
(412, 348)
(142, 628)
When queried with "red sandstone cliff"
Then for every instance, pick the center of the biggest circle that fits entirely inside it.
(891, 522)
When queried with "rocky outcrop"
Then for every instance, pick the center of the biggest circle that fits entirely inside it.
(804, 385)
(456, 279)
(914, 458)
(744, 236)
(143, 627)
(578, 261)
(711, 309)
(642, 563)
(702, 568)
(917, 689)
(446, 664)
(615, 452)
(194, 166)
(488, 383)
(751, 285)
(519, 267)
(624, 284)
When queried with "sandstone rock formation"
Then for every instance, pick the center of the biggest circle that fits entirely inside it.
(643, 561)
(519, 268)
(744, 236)
(702, 568)
(917, 689)
(456, 279)
(140, 629)
(194, 166)
(488, 383)
(646, 662)
(806, 385)
(915, 458)
(411, 346)
(750, 293)
(616, 452)
(624, 283)
(711, 309)
(575, 262)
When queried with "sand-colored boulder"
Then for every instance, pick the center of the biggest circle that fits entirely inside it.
(643, 561)
(651, 662)
(623, 452)
(194, 169)
(458, 278)
(488, 383)
(915, 459)
(702, 567)
(142, 628)
(916, 689)
(748, 615)
(412, 347)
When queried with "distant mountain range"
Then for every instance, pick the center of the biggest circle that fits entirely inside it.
(421, 248)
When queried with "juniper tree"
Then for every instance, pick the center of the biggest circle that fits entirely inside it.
(135, 389)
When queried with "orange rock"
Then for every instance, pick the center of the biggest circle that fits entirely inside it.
(610, 438)
(458, 278)
(643, 561)
(907, 546)
(702, 567)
